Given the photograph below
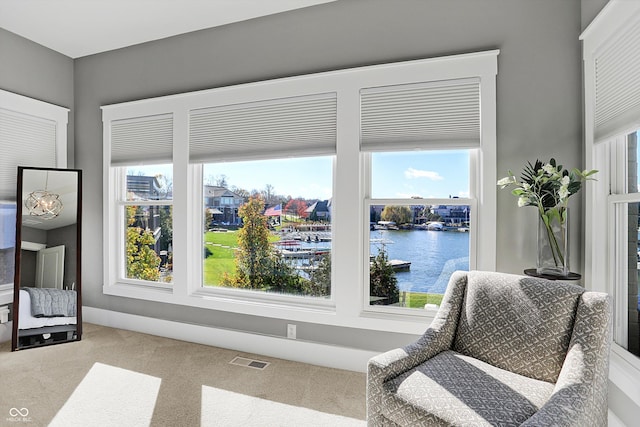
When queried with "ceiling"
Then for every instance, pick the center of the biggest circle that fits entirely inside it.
(61, 182)
(79, 28)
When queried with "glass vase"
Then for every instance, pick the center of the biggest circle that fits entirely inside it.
(553, 244)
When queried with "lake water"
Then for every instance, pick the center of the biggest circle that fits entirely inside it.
(434, 255)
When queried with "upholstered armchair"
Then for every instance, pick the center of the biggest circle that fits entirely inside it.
(502, 350)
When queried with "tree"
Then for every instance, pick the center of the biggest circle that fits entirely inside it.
(320, 279)
(382, 281)
(260, 266)
(220, 181)
(208, 217)
(373, 215)
(142, 260)
(296, 207)
(397, 214)
(253, 257)
(166, 186)
(245, 194)
(433, 217)
(268, 193)
(217, 180)
(166, 225)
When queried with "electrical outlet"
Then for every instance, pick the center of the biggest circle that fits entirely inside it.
(291, 331)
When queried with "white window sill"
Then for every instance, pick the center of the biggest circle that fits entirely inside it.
(624, 372)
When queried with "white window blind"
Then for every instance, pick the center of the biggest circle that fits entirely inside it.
(297, 126)
(142, 140)
(617, 84)
(444, 114)
(26, 140)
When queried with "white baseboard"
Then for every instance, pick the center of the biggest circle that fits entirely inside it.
(614, 421)
(296, 350)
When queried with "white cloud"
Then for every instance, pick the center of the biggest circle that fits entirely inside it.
(415, 173)
(407, 195)
(463, 194)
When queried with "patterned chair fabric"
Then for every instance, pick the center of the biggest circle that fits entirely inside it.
(503, 350)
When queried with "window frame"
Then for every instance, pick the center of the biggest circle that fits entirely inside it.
(615, 19)
(122, 203)
(197, 288)
(617, 202)
(367, 307)
(346, 308)
(607, 200)
(475, 181)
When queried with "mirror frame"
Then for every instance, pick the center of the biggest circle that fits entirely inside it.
(18, 250)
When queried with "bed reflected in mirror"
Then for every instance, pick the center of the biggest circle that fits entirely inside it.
(47, 305)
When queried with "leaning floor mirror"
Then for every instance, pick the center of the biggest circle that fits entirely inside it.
(47, 306)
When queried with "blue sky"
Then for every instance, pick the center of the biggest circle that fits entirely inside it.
(397, 175)
(307, 177)
(427, 174)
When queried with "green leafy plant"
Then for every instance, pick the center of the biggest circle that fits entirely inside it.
(382, 281)
(548, 187)
(142, 262)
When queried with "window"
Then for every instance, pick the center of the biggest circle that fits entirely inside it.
(272, 185)
(269, 230)
(267, 210)
(624, 259)
(148, 223)
(419, 226)
(142, 185)
(612, 119)
(39, 129)
(418, 139)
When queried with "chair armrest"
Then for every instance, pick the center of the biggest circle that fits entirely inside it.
(394, 362)
(580, 395)
(436, 339)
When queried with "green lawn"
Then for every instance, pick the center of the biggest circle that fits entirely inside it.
(221, 259)
(418, 299)
(230, 238)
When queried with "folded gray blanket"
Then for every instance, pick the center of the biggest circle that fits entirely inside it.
(51, 302)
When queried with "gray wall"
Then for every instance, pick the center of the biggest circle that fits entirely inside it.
(538, 88)
(67, 237)
(32, 70)
(589, 9)
(28, 257)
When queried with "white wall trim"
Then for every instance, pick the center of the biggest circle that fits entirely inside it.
(614, 421)
(32, 246)
(350, 359)
(624, 372)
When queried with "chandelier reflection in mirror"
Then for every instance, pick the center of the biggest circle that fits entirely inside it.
(44, 204)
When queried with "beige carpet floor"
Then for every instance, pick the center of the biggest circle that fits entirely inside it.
(197, 385)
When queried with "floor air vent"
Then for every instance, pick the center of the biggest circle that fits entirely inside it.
(249, 363)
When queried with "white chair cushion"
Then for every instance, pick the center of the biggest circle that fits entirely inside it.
(453, 389)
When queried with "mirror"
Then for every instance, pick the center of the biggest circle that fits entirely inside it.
(47, 306)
